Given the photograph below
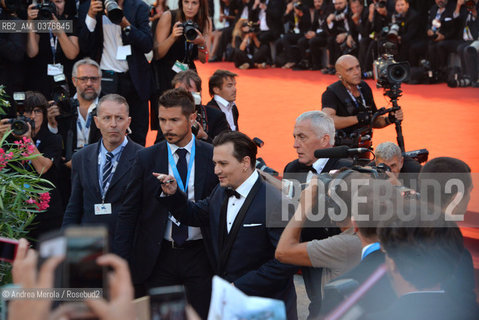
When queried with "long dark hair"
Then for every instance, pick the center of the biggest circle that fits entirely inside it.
(201, 17)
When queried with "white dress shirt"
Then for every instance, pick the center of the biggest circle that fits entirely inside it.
(318, 165)
(227, 108)
(111, 42)
(194, 233)
(234, 204)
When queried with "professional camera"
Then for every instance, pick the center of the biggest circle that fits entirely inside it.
(113, 11)
(345, 49)
(20, 123)
(46, 9)
(253, 27)
(189, 30)
(339, 15)
(61, 96)
(260, 164)
(381, 4)
(388, 72)
(298, 5)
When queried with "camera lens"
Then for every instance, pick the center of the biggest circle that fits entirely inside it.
(19, 127)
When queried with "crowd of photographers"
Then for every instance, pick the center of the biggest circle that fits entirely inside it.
(439, 38)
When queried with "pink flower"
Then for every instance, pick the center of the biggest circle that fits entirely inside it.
(30, 201)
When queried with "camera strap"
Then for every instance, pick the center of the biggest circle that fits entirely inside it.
(188, 50)
(53, 44)
(363, 101)
(172, 163)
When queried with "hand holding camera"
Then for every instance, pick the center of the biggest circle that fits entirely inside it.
(177, 30)
(96, 6)
(364, 118)
(52, 113)
(32, 12)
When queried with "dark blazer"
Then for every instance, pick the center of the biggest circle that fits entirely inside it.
(140, 39)
(274, 16)
(246, 258)
(411, 30)
(420, 306)
(86, 189)
(450, 26)
(214, 104)
(142, 219)
(379, 297)
(217, 123)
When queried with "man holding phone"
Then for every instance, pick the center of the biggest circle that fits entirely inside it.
(161, 250)
(99, 170)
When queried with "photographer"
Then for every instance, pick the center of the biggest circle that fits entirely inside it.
(378, 18)
(468, 47)
(48, 147)
(50, 53)
(350, 101)
(118, 41)
(175, 47)
(248, 50)
(12, 51)
(316, 38)
(298, 19)
(73, 118)
(339, 27)
(410, 30)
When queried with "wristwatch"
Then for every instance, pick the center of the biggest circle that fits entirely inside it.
(127, 30)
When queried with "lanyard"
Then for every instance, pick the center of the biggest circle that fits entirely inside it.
(171, 160)
(355, 100)
(53, 44)
(374, 247)
(113, 169)
(84, 132)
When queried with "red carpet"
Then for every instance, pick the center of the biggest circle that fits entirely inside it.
(441, 119)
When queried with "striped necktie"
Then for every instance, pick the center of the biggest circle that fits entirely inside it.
(107, 170)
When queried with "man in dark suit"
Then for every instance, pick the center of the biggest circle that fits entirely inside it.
(119, 47)
(100, 169)
(313, 130)
(381, 295)
(161, 250)
(222, 88)
(269, 14)
(420, 256)
(238, 214)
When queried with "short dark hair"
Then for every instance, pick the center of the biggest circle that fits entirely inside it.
(178, 97)
(243, 146)
(186, 77)
(115, 98)
(35, 99)
(424, 255)
(441, 170)
(217, 79)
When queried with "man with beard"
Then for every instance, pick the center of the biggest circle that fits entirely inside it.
(162, 251)
(86, 76)
(73, 118)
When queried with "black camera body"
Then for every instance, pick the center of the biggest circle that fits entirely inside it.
(388, 72)
(298, 6)
(20, 123)
(46, 10)
(61, 96)
(189, 30)
(345, 49)
(381, 4)
(339, 15)
(253, 27)
(113, 11)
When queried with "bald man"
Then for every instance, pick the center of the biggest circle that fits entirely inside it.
(350, 101)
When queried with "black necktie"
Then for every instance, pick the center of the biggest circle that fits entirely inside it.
(179, 234)
(107, 169)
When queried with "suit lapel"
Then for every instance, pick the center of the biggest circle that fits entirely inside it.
(92, 162)
(230, 238)
(329, 165)
(124, 163)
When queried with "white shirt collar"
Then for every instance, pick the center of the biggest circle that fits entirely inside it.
(319, 164)
(248, 184)
(188, 147)
(223, 102)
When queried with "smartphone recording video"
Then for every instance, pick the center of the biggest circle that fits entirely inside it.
(168, 303)
(83, 246)
(8, 249)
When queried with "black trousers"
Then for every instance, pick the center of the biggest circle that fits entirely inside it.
(469, 59)
(315, 45)
(289, 40)
(189, 267)
(260, 55)
(120, 83)
(439, 51)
